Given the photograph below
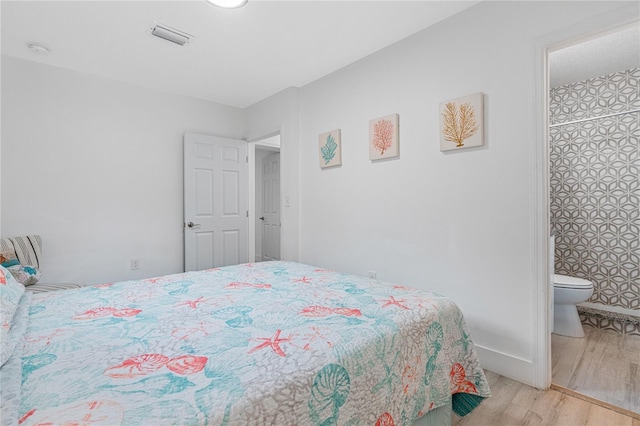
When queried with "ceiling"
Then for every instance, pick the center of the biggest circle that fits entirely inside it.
(238, 57)
(606, 54)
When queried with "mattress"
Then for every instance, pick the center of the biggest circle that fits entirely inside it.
(264, 343)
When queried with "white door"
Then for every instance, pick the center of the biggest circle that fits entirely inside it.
(271, 207)
(215, 202)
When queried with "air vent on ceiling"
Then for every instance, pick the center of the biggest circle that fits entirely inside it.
(170, 34)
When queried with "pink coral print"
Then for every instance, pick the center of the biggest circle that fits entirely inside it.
(107, 285)
(237, 285)
(3, 279)
(316, 311)
(105, 312)
(26, 416)
(325, 311)
(410, 379)
(126, 312)
(187, 364)
(402, 287)
(272, 342)
(382, 135)
(47, 338)
(385, 420)
(391, 301)
(193, 304)
(85, 413)
(347, 312)
(95, 313)
(140, 365)
(190, 333)
(459, 381)
(316, 338)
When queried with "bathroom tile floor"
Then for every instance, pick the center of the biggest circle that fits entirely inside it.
(604, 365)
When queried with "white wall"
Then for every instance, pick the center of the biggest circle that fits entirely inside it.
(460, 224)
(95, 167)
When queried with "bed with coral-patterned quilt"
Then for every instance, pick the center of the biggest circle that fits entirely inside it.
(273, 343)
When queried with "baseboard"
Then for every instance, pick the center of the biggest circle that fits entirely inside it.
(595, 401)
(510, 366)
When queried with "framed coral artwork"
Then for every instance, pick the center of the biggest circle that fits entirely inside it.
(461, 123)
(330, 149)
(384, 137)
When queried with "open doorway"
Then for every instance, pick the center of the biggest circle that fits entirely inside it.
(594, 119)
(266, 199)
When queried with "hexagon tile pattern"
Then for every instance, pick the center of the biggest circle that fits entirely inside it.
(595, 185)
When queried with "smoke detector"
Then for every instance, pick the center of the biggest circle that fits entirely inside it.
(168, 33)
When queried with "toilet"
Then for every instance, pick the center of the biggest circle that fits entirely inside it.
(567, 292)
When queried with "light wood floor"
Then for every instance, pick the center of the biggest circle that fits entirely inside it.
(604, 365)
(514, 404)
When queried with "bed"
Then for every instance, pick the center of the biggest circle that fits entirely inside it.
(266, 343)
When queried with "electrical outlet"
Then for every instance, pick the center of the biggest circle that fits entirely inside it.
(135, 264)
(373, 274)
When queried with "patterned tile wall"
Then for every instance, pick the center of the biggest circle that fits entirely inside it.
(595, 185)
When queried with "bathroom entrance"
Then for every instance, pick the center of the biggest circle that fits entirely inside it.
(594, 178)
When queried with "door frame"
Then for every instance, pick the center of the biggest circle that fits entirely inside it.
(541, 223)
(251, 164)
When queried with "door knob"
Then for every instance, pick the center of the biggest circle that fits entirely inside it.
(192, 225)
(261, 218)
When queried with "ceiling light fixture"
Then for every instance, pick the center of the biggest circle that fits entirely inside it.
(228, 4)
(38, 48)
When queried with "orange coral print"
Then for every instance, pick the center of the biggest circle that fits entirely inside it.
(459, 381)
(385, 420)
(3, 279)
(459, 122)
(382, 135)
